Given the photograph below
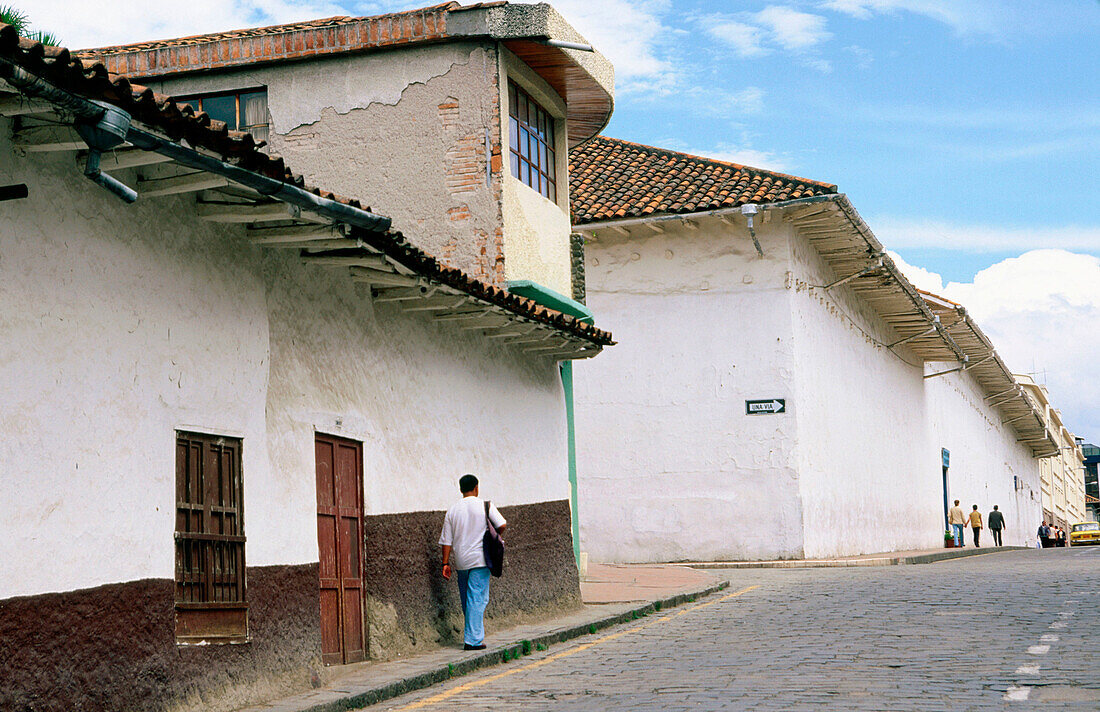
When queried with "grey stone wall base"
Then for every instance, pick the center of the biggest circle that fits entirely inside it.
(505, 653)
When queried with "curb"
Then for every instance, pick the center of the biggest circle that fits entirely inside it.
(843, 563)
(504, 653)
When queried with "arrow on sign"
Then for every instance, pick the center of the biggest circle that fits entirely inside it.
(766, 407)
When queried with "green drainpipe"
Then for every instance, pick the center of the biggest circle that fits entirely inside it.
(554, 300)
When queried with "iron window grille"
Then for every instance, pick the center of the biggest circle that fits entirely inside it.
(531, 143)
(244, 110)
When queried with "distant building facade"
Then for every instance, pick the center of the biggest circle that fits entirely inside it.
(781, 390)
(1063, 473)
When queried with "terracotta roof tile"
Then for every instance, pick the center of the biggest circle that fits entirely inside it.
(92, 80)
(611, 178)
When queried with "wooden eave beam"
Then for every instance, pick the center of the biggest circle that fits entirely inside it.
(290, 234)
(368, 260)
(247, 212)
(186, 183)
(125, 158)
(20, 105)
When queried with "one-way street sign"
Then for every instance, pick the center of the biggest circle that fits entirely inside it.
(766, 407)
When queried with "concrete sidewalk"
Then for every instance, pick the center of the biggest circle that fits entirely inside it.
(612, 594)
(892, 558)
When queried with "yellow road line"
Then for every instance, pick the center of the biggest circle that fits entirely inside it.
(565, 653)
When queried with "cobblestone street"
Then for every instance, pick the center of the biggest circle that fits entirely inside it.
(1013, 630)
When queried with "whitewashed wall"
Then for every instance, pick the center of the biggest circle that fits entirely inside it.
(984, 457)
(669, 466)
(869, 479)
(123, 323)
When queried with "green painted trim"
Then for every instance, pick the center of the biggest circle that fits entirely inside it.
(567, 386)
(549, 298)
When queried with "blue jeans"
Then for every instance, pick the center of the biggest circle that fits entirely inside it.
(473, 589)
(957, 530)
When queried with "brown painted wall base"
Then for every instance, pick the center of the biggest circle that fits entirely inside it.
(409, 605)
(113, 647)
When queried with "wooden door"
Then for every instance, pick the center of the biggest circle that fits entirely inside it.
(339, 539)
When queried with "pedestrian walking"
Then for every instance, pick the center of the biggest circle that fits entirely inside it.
(464, 529)
(957, 520)
(1044, 535)
(976, 525)
(996, 524)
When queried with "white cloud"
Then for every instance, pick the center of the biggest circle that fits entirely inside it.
(1040, 310)
(922, 278)
(96, 23)
(630, 34)
(744, 39)
(791, 29)
(962, 16)
(907, 233)
(776, 27)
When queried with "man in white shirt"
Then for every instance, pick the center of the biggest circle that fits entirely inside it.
(463, 531)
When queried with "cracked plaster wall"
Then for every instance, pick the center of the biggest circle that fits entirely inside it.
(123, 323)
(405, 131)
(669, 466)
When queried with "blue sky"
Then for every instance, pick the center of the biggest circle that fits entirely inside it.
(966, 132)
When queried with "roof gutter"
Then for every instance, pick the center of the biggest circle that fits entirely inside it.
(97, 119)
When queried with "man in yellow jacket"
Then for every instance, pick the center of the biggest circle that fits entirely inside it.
(957, 520)
(976, 525)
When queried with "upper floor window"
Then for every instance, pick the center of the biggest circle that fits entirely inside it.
(240, 110)
(531, 147)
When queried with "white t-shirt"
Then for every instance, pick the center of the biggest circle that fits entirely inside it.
(464, 529)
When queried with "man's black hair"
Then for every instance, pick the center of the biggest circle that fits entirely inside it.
(466, 483)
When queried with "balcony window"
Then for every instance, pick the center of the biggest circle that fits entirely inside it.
(531, 143)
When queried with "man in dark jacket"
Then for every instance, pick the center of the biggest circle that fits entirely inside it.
(996, 522)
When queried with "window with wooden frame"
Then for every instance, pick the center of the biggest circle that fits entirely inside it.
(210, 575)
(240, 110)
(531, 143)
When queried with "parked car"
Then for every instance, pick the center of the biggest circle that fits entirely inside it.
(1083, 533)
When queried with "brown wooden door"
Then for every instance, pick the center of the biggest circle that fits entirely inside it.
(339, 539)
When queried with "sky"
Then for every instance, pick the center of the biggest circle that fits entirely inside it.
(965, 132)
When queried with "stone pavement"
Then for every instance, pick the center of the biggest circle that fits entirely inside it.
(1014, 630)
(892, 558)
(613, 594)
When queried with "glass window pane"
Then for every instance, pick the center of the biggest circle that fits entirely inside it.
(513, 134)
(550, 132)
(553, 193)
(524, 146)
(221, 108)
(253, 109)
(515, 165)
(551, 166)
(512, 108)
(526, 173)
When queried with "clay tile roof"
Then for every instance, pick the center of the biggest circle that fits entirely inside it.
(92, 80)
(611, 179)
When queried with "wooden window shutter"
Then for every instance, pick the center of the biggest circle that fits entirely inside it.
(210, 568)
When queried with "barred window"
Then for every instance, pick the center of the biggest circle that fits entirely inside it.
(240, 110)
(210, 574)
(531, 143)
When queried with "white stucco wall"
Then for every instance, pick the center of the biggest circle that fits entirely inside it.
(984, 456)
(869, 480)
(669, 466)
(123, 323)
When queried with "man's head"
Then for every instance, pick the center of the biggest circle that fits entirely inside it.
(956, 503)
(467, 484)
(994, 508)
(975, 508)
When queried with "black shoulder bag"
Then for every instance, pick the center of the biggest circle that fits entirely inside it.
(493, 546)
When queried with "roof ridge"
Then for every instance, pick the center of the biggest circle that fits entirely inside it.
(278, 28)
(715, 161)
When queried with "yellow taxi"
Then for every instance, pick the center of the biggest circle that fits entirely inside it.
(1083, 533)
